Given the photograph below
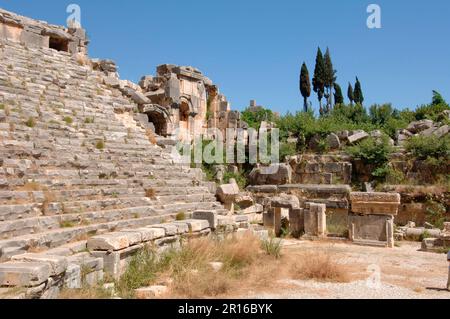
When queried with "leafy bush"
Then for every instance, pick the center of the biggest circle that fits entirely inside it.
(254, 117)
(424, 147)
(372, 151)
(286, 150)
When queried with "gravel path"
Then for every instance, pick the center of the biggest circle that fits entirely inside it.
(400, 273)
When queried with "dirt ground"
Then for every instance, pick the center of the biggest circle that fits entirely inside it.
(403, 272)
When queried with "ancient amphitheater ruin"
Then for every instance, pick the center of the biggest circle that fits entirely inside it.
(88, 177)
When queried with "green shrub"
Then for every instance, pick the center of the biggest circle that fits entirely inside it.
(424, 147)
(30, 122)
(100, 145)
(286, 150)
(389, 174)
(180, 216)
(435, 213)
(372, 151)
(68, 120)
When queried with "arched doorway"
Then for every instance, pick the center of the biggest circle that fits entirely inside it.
(159, 122)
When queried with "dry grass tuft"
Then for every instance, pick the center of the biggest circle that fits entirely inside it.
(150, 193)
(319, 266)
(151, 136)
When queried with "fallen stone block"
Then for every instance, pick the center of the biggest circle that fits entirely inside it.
(359, 136)
(419, 126)
(285, 201)
(23, 274)
(210, 215)
(275, 174)
(255, 209)
(58, 264)
(112, 241)
(151, 292)
(72, 278)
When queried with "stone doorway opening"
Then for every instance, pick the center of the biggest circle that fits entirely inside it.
(59, 44)
(159, 122)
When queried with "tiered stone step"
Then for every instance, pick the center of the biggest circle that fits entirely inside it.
(70, 166)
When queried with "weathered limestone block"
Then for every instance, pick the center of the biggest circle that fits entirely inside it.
(358, 136)
(72, 278)
(297, 221)
(285, 201)
(255, 209)
(112, 241)
(226, 193)
(375, 203)
(315, 220)
(196, 225)
(244, 200)
(371, 229)
(275, 174)
(23, 274)
(266, 189)
(210, 215)
(147, 234)
(116, 262)
(112, 81)
(170, 229)
(419, 126)
(58, 264)
(442, 131)
(333, 141)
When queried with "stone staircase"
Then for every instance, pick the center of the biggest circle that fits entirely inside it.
(73, 164)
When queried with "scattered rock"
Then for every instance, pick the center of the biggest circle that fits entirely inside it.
(216, 266)
(151, 292)
(419, 126)
(333, 141)
(357, 136)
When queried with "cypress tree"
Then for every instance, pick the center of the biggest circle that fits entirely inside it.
(350, 94)
(358, 94)
(338, 97)
(319, 77)
(330, 78)
(305, 86)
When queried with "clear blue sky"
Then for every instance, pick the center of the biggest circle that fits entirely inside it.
(253, 49)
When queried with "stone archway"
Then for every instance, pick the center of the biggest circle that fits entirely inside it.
(159, 117)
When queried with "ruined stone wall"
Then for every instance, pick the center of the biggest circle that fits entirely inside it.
(321, 169)
(40, 34)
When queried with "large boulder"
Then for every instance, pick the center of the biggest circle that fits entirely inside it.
(442, 131)
(244, 200)
(275, 174)
(226, 193)
(357, 136)
(333, 141)
(419, 126)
